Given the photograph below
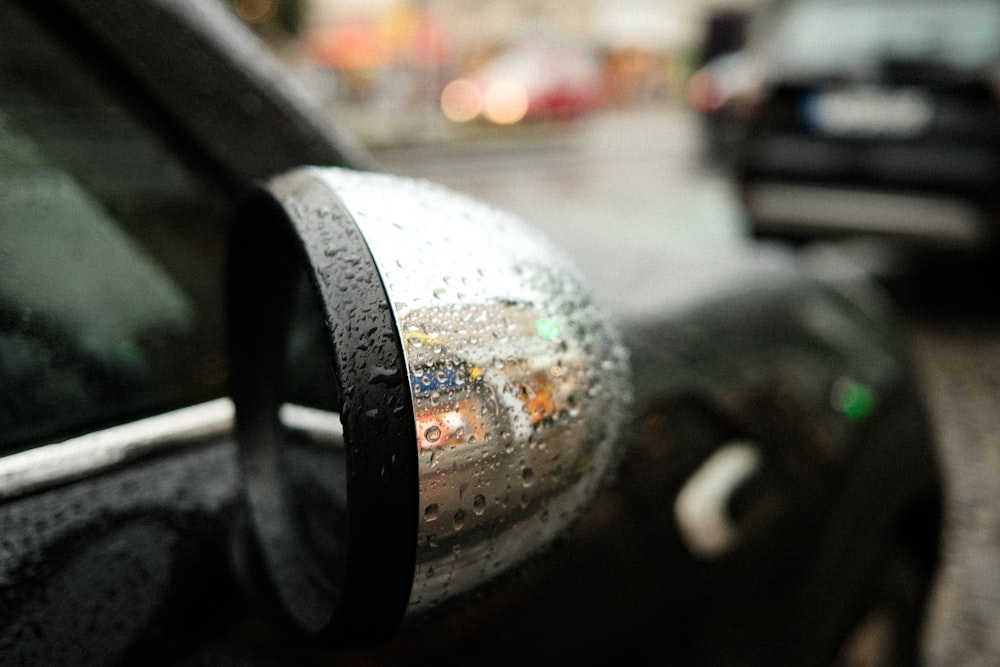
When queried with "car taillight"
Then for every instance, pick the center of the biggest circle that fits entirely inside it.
(704, 93)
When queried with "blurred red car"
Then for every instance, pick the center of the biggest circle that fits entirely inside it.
(535, 79)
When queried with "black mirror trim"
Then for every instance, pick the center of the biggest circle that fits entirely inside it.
(272, 240)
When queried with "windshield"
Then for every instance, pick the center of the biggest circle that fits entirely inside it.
(836, 35)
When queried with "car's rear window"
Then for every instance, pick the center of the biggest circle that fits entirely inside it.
(831, 35)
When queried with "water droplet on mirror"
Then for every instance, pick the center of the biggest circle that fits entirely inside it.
(382, 375)
(432, 434)
(431, 512)
(459, 519)
(479, 504)
(527, 476)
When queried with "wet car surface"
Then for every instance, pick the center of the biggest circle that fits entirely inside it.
(706, 380)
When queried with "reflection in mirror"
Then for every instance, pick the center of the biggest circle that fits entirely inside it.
(518, 380)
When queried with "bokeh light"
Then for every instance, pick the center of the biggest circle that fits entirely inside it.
(461, 101)
(506, 102)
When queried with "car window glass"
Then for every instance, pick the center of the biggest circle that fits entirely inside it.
(959, 34)
(110, 252)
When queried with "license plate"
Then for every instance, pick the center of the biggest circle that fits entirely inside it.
(869, 112)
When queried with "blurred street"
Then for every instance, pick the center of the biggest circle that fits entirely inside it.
(619, 191)
(628, 196)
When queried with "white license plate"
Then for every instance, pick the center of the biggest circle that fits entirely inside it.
(869, 112)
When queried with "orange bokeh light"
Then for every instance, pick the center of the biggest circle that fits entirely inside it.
(461, 101)
(506, 102)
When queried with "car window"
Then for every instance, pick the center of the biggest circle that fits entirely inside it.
(111, 250)
(960, 34)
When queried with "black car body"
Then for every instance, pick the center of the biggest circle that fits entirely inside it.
(128, 133)
(876, 119)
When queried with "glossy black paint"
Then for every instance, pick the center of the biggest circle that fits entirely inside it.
(129, 567)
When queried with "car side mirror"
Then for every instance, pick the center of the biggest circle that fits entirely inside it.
(426, 395)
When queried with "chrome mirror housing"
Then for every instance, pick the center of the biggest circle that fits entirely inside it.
(426, 395)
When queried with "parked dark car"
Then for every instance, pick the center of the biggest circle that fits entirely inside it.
(248, 416)
(876, 119)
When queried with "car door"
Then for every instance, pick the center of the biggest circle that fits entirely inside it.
(125, 139)
(117, 480)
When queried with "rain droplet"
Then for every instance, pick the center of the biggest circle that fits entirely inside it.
(459, 519)
(527, 476)
(431, 512)
(432, 434)
(479, 504)
(381, 375)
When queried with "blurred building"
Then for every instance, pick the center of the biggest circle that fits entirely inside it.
(384, 57)
(648, 24)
